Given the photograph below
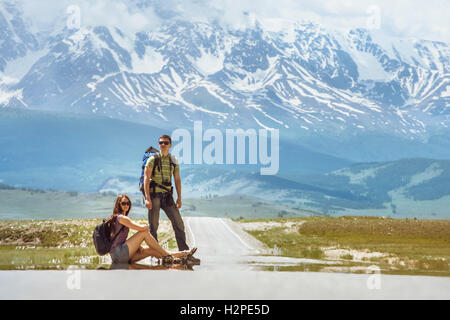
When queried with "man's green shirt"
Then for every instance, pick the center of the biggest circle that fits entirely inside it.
(166, 170)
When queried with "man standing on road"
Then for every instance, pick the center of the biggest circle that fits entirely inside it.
(159, 192)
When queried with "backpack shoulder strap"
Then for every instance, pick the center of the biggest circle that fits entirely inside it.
(173, 162)
(115, 220)
(155, 163)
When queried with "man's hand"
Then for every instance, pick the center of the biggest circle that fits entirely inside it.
(148, 204)
(178, 203)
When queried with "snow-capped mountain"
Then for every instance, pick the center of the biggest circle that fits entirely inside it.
(304, 78)
(16, 41)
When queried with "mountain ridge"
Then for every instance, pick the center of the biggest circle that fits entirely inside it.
(305, 78)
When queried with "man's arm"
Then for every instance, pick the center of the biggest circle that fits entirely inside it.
(147, 177)
(176, 176)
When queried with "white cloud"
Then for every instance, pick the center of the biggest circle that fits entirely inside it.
(53, 14)
(403, 18)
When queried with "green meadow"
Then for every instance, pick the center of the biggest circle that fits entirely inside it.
(396, 246)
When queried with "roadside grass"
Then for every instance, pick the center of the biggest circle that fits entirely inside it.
(290, 244)
(48, 233)
(53, 244)
(347, 257)
(409, 246)
(42, 258)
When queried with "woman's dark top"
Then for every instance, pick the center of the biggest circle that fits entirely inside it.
(120, 230)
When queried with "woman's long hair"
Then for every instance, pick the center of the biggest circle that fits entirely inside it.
(117, 207)
(118, 210)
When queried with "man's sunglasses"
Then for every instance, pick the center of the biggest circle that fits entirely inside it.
(164, 142)
(125, 203)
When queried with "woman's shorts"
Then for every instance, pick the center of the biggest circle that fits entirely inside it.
(120, 254)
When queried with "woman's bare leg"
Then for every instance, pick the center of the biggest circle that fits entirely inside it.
(142, 253)
(135, 241)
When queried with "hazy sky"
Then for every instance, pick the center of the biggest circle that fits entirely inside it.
(404, 18)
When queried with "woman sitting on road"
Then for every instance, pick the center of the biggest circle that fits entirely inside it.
(125, 250)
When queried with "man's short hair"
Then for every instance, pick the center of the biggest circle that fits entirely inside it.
(165, 136)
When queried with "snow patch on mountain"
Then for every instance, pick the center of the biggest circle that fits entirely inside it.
(209, 63)
(6, 81)
(433, 171)
(403, 49)
(7, 95)
(254, 81)
(369, 68)
(151, 62)
(446, 93)
(360, 177)
(76, 41)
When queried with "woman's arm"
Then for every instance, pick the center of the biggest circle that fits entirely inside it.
(130, 224)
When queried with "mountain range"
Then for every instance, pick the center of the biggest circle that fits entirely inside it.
(303, 78)
(78, 106)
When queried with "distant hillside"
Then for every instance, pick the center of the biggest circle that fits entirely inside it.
(88, 154)
(68, 152)
(79, 152)
(28, 204)
(410, 187)
(404, 188)
(25, 204)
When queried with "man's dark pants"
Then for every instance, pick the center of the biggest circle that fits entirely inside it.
(175, 218)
